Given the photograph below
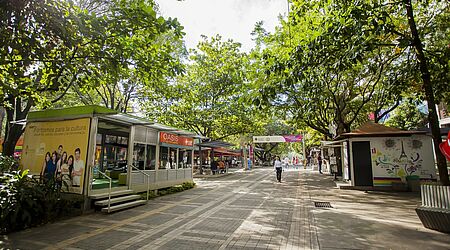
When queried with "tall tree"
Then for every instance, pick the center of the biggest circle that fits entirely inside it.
(323, 82)
(40, 44)
(345, 55)
(51, 48)
(209, 98)
(428, 87)
(149, 50)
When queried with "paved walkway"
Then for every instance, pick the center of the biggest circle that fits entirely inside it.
(248, 210)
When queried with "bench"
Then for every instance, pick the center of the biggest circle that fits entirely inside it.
(435, 210)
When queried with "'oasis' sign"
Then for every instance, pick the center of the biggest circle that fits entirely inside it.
(175, 139)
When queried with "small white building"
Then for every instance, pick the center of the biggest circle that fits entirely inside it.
(378, 156)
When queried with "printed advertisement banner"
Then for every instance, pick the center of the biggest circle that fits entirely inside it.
(57, 150)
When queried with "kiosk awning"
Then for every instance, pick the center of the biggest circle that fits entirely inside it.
(215, 144)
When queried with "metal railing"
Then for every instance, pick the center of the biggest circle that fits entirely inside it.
(144, 173)
(109, 191)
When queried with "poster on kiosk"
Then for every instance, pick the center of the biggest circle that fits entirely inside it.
(57, 150)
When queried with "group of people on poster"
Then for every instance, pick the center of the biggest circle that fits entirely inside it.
(65, 170)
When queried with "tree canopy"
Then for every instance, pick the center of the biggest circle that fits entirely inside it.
(210, 99)
(53, 49)
(339, 61)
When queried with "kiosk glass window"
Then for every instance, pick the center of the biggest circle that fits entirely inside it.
(115, 153)
(122, 140)
(111, 139)
(163, 157)
(173, 158)
(151, 157)
(184, 158)
(139, 156)
(98, 139)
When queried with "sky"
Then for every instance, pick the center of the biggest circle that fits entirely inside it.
(233, 19)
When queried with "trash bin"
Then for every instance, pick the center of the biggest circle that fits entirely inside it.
(413, 183)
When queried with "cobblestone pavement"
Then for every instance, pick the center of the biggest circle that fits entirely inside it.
(248, 210)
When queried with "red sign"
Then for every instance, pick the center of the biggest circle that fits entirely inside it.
(445, 147)
(175, 139)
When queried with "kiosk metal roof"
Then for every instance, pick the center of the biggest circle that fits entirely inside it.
(371, 129)
(105, 114)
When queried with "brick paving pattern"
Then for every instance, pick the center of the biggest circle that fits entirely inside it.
(247, 210)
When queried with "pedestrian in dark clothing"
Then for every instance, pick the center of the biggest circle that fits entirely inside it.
(278, 168)
(319, 160)
(214, 166)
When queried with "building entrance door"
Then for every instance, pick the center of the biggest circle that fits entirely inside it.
(362, 163)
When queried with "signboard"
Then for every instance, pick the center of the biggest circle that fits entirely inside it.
(175, 139)
(57, 149)
(277, 138)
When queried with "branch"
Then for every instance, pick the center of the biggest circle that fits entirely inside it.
(65, 91)
(378, 118)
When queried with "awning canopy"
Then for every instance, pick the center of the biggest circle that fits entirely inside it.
(224, 151)
(215, 144)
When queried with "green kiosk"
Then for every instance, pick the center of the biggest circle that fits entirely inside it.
(106, 156)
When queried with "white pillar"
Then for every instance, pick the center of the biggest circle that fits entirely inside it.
(130, 154)
(90, 161)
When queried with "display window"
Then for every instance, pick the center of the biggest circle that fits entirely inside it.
(164, 157)
(185, 158)
(151, 157)
(139, 156)
(172, 158)
(144, 156)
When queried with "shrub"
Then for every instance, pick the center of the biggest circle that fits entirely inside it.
(24, 202)
(188, 185)
(7, 163)
(170, 190)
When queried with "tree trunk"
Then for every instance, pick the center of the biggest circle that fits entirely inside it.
(429, 95)
(13, 131)
(2, 117)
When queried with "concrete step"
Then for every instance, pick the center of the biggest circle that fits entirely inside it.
(124, 206)
(120, 199)
(113, 194)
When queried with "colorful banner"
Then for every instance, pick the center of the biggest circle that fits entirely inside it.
(58, 150)
(175, 139)
(277, 138)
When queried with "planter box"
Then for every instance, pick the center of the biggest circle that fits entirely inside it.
(413, 183)
(435, 210)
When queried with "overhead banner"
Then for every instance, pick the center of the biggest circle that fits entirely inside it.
(277, 138)
(57, 149)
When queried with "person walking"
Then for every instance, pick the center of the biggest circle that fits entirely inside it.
(278, 168)
(319, 160)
